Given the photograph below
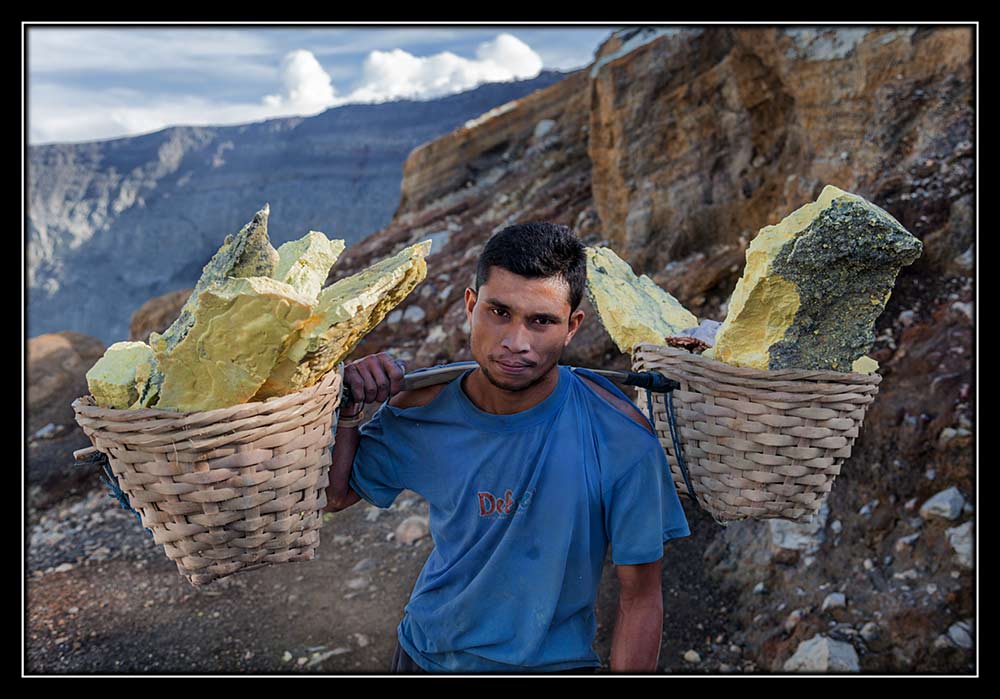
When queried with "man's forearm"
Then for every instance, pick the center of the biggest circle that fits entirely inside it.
(338, 493)
(635, 643)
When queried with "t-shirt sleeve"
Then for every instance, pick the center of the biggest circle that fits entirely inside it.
(374, 475)
(642, 510)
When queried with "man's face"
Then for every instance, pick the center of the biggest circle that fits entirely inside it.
(519, 327)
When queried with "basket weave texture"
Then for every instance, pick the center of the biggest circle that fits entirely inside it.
(228, 489)
(758, 444)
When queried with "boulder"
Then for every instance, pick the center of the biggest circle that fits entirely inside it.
(412, 529)
(57, 364)
(947, 504)
(825, 655)
(344, 313)
(632, 309)
(814, 285)
(239, 331)
(960, 539)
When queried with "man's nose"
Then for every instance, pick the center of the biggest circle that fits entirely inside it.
(516, 339)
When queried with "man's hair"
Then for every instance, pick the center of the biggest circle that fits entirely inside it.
(537, 250)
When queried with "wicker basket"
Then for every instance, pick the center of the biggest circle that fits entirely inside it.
(228, 489)
(758, 444)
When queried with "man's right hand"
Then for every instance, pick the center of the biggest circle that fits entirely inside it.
(373, 379)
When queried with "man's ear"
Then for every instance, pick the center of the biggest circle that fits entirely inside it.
(470, 299)
(575, 319)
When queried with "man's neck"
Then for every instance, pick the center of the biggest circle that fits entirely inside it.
(492, 399)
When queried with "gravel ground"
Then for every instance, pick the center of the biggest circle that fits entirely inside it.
(101, 598)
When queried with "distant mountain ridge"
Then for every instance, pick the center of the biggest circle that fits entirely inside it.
(114, 223)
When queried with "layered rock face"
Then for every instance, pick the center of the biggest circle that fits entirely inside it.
(701, 138)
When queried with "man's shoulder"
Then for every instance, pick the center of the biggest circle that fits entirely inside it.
(623, 406)
(417, 397)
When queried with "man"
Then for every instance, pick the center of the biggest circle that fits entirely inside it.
(530, 470)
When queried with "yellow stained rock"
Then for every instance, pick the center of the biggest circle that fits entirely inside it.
(864, 365)
(305, 263)
(632, 309)
(246, 254)
(813, 286)
(241, 328)
(346, 311)
(117, 378)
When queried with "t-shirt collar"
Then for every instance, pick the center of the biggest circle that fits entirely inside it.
(541, 412)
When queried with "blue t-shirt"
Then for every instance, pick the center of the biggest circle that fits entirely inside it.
(522, 510)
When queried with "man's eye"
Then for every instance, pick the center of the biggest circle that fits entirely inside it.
(497, 311)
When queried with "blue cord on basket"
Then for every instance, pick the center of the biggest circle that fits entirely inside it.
(116, 492)
(675, 436)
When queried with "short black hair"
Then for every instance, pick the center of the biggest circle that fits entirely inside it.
(537, 250)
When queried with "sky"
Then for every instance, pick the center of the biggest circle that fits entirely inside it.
(96, 82)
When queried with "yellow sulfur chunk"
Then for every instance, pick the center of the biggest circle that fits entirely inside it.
(245, 254)
(116, 379)
(306, 262)
(241, 327)
(864, 365)
(347, 310)
(813, 286)
(632, 309)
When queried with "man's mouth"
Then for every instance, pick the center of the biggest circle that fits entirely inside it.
(512, 367)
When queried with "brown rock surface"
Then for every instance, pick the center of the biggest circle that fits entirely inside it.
(699, 139)
(57, 364)
(157, 314)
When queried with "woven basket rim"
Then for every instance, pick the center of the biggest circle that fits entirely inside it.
(86, 406)
(714, 406)
(766, 374)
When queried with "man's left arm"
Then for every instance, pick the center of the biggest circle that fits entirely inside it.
(635, 643)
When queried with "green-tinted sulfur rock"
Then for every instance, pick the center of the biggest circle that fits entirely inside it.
(344, 313)
(814, 286)
(246, 254)
(118, 377)
(241, 328)
(305, 263)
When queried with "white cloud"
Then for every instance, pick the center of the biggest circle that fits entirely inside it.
(397, 74)
(507, 52)
(58, 114)
(307, 87)
(91, 84)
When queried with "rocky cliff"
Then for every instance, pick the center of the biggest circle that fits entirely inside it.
(675, 147)
(113, 223)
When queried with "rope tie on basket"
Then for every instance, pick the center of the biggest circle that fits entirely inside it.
(109, 479)
(674, 436)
